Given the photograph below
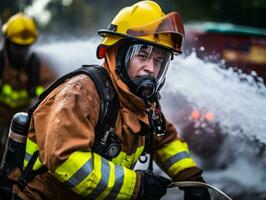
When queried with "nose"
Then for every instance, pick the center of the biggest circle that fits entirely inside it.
(149, 66)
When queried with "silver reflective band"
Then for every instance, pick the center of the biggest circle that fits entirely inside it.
(105, 175)
(119, 179)
(80, 175)
(177, 157)
(27, 156)
(17, 137)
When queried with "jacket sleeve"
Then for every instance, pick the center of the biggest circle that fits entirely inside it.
(65, 138)
(173, 156)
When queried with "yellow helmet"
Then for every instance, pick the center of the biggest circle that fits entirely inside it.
(20, 29)
(145, 22)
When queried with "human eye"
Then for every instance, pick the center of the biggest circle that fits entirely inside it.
(158, 61)
(142, 56)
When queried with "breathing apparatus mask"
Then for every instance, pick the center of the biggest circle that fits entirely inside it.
(143, 68)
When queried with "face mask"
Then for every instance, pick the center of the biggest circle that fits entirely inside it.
(145, 87)
(146, 67)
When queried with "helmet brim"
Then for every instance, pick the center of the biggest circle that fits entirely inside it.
(105, 33)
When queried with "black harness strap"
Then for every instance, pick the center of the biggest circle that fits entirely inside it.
(33, 74)
(1, 68)
(109, 103)
(28, 174)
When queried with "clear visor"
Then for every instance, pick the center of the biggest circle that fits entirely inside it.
(144, 59)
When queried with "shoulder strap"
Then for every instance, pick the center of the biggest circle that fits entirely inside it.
(109, 101)
(1, 66)
(34, 74)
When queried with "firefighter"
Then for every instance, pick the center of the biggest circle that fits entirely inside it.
(137, 48)
(22, 75)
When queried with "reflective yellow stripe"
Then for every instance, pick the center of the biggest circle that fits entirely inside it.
(16, 98)
(128, 161)
(39, 90)
(128, 186)
(38, 164)
(103, 172)
(111, 182)
(72, 165)
(137, 155)
(6, 89)
(116, 182)
(92, 176)
(174, 157)
(123, 159)
(171, 149)
(31, 147)
(23, 94)
(15, 95)
(180, 165)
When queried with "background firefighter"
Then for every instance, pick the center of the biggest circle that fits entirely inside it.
(137, 48)
(23, 76)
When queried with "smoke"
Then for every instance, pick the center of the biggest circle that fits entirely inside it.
(66, 56)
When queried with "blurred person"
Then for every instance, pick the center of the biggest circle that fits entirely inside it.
(23, 76)
(61, 161)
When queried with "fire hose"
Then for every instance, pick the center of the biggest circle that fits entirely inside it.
(197, 184)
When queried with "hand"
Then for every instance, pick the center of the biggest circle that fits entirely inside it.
(196, 193)
(152, 186)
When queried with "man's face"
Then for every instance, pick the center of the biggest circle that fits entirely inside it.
(146, 60)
